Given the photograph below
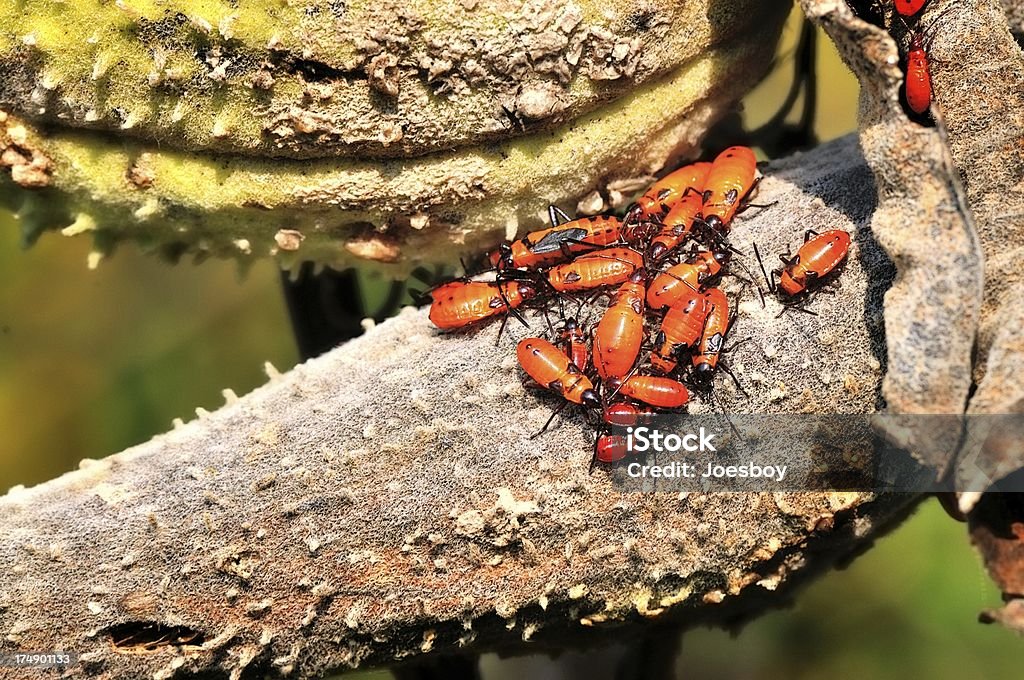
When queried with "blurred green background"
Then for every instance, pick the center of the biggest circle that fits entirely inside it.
(92, 362)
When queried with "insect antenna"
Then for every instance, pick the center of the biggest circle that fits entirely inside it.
(732, 426)
(769, 281)
(735, 380)
(557, 216)
(554, 412)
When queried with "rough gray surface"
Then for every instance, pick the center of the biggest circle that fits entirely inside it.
(951, 215)
(979, 91)
(385, 500)
(1015, 17)
(932, 309)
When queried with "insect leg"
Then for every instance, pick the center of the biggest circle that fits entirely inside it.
(554, 412)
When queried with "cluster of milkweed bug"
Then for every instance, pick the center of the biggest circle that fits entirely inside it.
(664, 330)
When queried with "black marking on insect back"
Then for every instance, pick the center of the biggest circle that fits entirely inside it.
(714, 344)
(572, 277)
(555, 385)
(664, 193)
(731, 196)
(496, 302)
(554, 240)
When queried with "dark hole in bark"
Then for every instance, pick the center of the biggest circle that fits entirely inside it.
(147, 636)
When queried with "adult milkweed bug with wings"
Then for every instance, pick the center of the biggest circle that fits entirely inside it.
(558, 243)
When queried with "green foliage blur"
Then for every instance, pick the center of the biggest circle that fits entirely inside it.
(92, 362)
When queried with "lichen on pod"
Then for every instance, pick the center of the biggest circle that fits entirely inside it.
(378, 137)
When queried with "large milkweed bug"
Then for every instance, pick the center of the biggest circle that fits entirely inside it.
(653, 390)
(681, 330)
(607, 267)
(460, 303)
(917, 86)
(817, 258)
(620, 332)
(663, 194)
(716, 325)
(552, 369)
(610, 447)
(731, 180)
(707, 355)
(558, 243)
(572, 339)
(677, 226)
(678, 281)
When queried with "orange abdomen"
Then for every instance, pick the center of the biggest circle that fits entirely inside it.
(715, 326)
(918, 85)
(677, 282)
(678, 225)
(460, 303)
(550, 367)
(605, 267)
(682, 326)
(819, 256)
(732, 176)
(620, 333)
(611, 448)
(656, 391)
(663, 194)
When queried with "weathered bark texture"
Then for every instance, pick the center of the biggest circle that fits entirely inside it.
(1015, 17)
(932, 308)
(314, 78)
(976, 179)
(979, 92)
(385, 500)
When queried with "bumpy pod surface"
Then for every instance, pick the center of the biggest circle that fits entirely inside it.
(350, 132)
